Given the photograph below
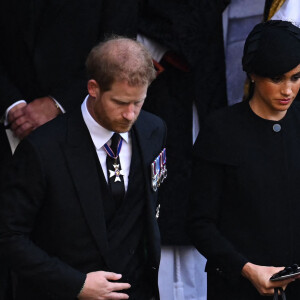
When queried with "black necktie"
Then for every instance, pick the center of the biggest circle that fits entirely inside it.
(114, 171)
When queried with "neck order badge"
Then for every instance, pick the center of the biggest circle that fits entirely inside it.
(115, 173)
(113, 152)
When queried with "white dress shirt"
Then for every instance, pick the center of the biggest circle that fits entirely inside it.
(101, 136)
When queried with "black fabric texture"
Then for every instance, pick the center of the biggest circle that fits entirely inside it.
(193, 30)
(245, 197)
(58, 208)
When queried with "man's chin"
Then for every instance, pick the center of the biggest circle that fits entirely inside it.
(122, 129)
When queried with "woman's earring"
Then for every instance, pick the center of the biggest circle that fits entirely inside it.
(252, 80)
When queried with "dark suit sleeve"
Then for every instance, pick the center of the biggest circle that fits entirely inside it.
(9, 93)
(205, 211)
(68, 30)
(45, 45)
(21, 199)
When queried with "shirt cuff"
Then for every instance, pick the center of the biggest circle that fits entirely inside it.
(156, 50)
(9, 108)
(60, 107)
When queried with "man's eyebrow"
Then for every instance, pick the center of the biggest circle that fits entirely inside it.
(122, 101)
(118, 100)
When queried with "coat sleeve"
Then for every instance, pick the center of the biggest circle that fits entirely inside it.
(68, 31)
(22, 197)
(44, 48)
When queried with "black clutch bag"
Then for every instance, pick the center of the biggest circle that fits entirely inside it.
(287, 272)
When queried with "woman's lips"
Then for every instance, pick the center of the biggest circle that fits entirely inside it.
(285, 101)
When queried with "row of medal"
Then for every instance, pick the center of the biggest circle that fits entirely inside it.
(159, 170)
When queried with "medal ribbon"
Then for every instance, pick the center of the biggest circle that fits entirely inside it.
(110, 152)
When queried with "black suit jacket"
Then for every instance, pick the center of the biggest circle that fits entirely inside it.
(44, 45)
(52, 224)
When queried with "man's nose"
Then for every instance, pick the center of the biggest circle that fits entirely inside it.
(129, 112)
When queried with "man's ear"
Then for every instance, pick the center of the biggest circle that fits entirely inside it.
(93, 88)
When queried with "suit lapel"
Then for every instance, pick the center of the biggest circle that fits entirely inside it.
(145, 136)
(82, 161)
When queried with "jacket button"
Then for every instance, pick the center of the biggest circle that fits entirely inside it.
(276, 127)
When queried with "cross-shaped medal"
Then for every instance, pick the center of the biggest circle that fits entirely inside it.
(117, 172)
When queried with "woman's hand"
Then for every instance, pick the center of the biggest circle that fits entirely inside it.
(260, 278)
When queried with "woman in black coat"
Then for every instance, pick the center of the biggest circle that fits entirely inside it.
(244, 213)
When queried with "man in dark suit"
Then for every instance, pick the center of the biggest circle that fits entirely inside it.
(42, 58)
(64, 230)
(44, 46)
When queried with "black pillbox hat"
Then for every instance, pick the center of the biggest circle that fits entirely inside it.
(272, 48)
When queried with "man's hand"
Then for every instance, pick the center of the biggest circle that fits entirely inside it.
(23, 118)
(98, 286)
(260, 278)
